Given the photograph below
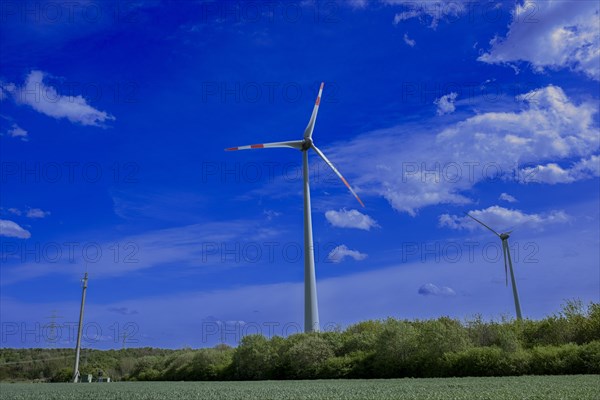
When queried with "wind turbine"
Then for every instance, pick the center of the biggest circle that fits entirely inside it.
(507, 265)
(311, 311)
(79, 328)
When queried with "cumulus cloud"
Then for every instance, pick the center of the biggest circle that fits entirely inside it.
(350, 219)
(46, 100)
(552, 173)
(433, 10)
(445, 104)
(340, 253)
(37, 213)
(15, 211)
(12, 229)
(409, 41)
(551, 35)
(429, 289)
(507, 197)
(17, 132)
(428, 168)
(499, 218)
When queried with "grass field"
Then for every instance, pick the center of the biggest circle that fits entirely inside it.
(576, 387)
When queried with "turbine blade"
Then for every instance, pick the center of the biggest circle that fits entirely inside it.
(295, 144)
(495, 233)
(311, 124)
(504, 245)
(320, 153)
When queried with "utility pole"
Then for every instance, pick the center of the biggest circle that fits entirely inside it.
(78, 348)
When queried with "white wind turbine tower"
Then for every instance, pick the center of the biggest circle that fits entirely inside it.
(507, 265)
(311, 311)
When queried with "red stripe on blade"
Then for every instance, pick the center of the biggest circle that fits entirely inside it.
(231, 149)
(360, 201)
(257, 146)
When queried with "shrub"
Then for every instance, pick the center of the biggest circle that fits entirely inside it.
(307, 357)
(396, 350)
(253, 359)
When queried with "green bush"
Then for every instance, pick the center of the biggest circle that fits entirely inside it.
(63, 375)
(254, 358)
(210, 364)
(307, 357)
(557, 360)
(478, 361)
(590, 357)
(396, 350)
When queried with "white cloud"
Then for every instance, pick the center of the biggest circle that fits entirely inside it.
(429, 289)
(122, 310)
(37, 213)
(46, 100)
(445, 104)
(552, 173)
(12, 229)
(499, 218)
(17, 132)
(191, 247)
(551, 34)
(270, 214)
(6, 89)
(507, 197)
(359, 4)
(15, 211)
(350, 219)
(435, 10)
(427, 168)
(409, 41)
(342, 251)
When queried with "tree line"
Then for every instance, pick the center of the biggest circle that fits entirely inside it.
(567, 342)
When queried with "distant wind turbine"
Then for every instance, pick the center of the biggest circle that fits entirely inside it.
(507, 265)
(76, 375)
(311, 311)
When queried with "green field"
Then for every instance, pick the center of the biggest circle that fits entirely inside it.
(576, 387)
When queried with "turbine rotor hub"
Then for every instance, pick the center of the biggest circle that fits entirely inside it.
(504, 236)
(306, 144)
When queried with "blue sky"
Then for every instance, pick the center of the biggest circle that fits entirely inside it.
(114, 117)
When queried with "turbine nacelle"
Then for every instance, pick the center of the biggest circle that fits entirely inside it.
(307, 143)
